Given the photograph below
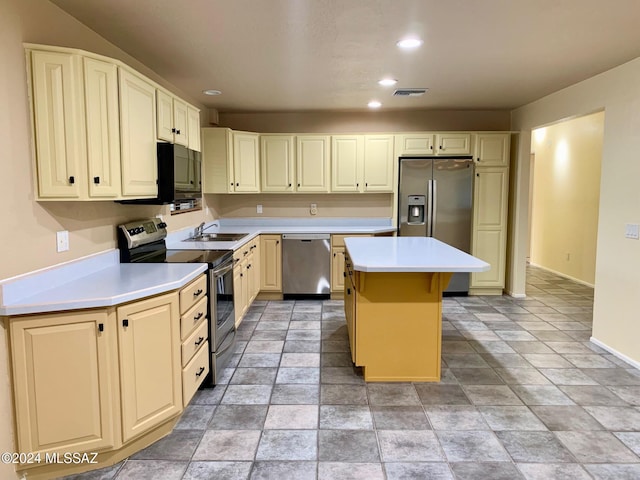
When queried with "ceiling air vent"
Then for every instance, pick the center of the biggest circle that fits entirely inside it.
(409, 92)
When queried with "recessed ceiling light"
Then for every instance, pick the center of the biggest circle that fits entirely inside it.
(409, 43)
(374, 104)
(211, 92)
(388, 82)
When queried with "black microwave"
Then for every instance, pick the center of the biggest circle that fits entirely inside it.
(179, 175)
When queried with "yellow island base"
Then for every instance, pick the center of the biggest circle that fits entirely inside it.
(394, 321)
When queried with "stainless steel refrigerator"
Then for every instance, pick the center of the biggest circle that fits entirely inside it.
(435, 199)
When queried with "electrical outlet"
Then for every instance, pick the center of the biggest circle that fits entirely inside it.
(259, 209)
(62, 241)
(314, 209)
(632, 230)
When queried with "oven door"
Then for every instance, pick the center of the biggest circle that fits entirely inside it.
(221, 298)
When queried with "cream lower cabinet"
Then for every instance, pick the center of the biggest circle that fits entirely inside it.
(337, 269)
(65, 381)
(246, 277)
(490, 228)
(150, 363)
(271, 263)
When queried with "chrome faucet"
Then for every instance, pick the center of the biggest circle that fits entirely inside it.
(201, 228)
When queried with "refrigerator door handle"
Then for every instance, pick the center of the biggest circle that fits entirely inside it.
(429, 207)
(434, 207)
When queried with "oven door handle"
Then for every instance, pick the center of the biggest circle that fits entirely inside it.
(222, 270)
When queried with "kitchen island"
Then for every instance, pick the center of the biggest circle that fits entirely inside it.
(393, 304)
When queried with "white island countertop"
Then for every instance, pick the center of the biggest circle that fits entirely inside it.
(115, 284)
(409, 254)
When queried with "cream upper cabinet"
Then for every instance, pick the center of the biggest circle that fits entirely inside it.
(138, 135)
(193, 128)
(277, 159)
(312, 163)
(415, 144)
(171, 118)
(150, 363)
(347, 158)
(490, 227)
(58, 120)
(453, 143)
(246, 162)
(492, 149)
(378, 163)
(103, 128)
(65, 382)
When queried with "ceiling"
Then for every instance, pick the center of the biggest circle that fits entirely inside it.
(309, 55)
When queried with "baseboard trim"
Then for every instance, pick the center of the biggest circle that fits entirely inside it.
(516, 295)
(616, 353)
(564, 275)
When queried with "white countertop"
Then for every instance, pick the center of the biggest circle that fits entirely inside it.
(108, 286)
(254, 227)
(409, 254)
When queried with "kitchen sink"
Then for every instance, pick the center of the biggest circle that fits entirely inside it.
(217, 237)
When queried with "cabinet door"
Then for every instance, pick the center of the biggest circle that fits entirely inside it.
(245, 282)
(65, 382)
(255, 267)
(277, 161)
(312, 162)
(270, 263)
(415, 144)
(238, 300)
(58, 123)
(490, 224)
(347, 156)
(138, 136)
(378, 163)
(350, 314)
(337, 269)
(217, 160)
(180, 122)
(150, 363)
(164, 110)
(492, 149)
(193, 128)
(103, 128)
(246, 169)
(453, 143)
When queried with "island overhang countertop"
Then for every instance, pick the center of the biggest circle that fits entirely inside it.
(409, 254)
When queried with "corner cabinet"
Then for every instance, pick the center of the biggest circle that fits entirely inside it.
(491, 188)
(138, 132)
(150, 363)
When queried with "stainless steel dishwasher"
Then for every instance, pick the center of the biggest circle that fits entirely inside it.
(306, 265)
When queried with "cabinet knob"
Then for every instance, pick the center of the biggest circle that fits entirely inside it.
(344, 274)
(348, 291)
(298, 184)
(101, 327)
(277, 242)
(477, 174)
(357, 184)
(231, 184)
(178, 132)
(173, 130)
(430, 147)
(289, 184)
(125, 322)
(334, 254)
(237, 184)
(478, 159)
(241, 275)
(72, 179)
(96, 180)
(441, 148)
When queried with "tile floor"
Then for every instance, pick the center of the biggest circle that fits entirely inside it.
(524, 395)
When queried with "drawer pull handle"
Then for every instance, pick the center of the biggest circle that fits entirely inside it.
(198, 316)
(200, 340)
(199, 372)
(197, 292)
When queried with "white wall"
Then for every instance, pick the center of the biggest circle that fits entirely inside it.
(566, 196)
(617, 276)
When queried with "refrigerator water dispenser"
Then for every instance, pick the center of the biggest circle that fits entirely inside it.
(416, 204)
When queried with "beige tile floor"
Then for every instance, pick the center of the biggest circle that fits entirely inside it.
(524, 395)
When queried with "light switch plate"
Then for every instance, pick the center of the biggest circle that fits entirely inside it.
(632, 230)
(258, 208)
(62, 241)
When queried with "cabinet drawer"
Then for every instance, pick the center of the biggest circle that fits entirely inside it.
(193, 318)
(194, 373)
(338, 240)
(191, 345)
(193, 292)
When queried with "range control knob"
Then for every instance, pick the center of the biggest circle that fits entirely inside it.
(162, 225)
(132, 231)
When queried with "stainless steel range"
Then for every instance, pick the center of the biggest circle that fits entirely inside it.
(143, 241)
